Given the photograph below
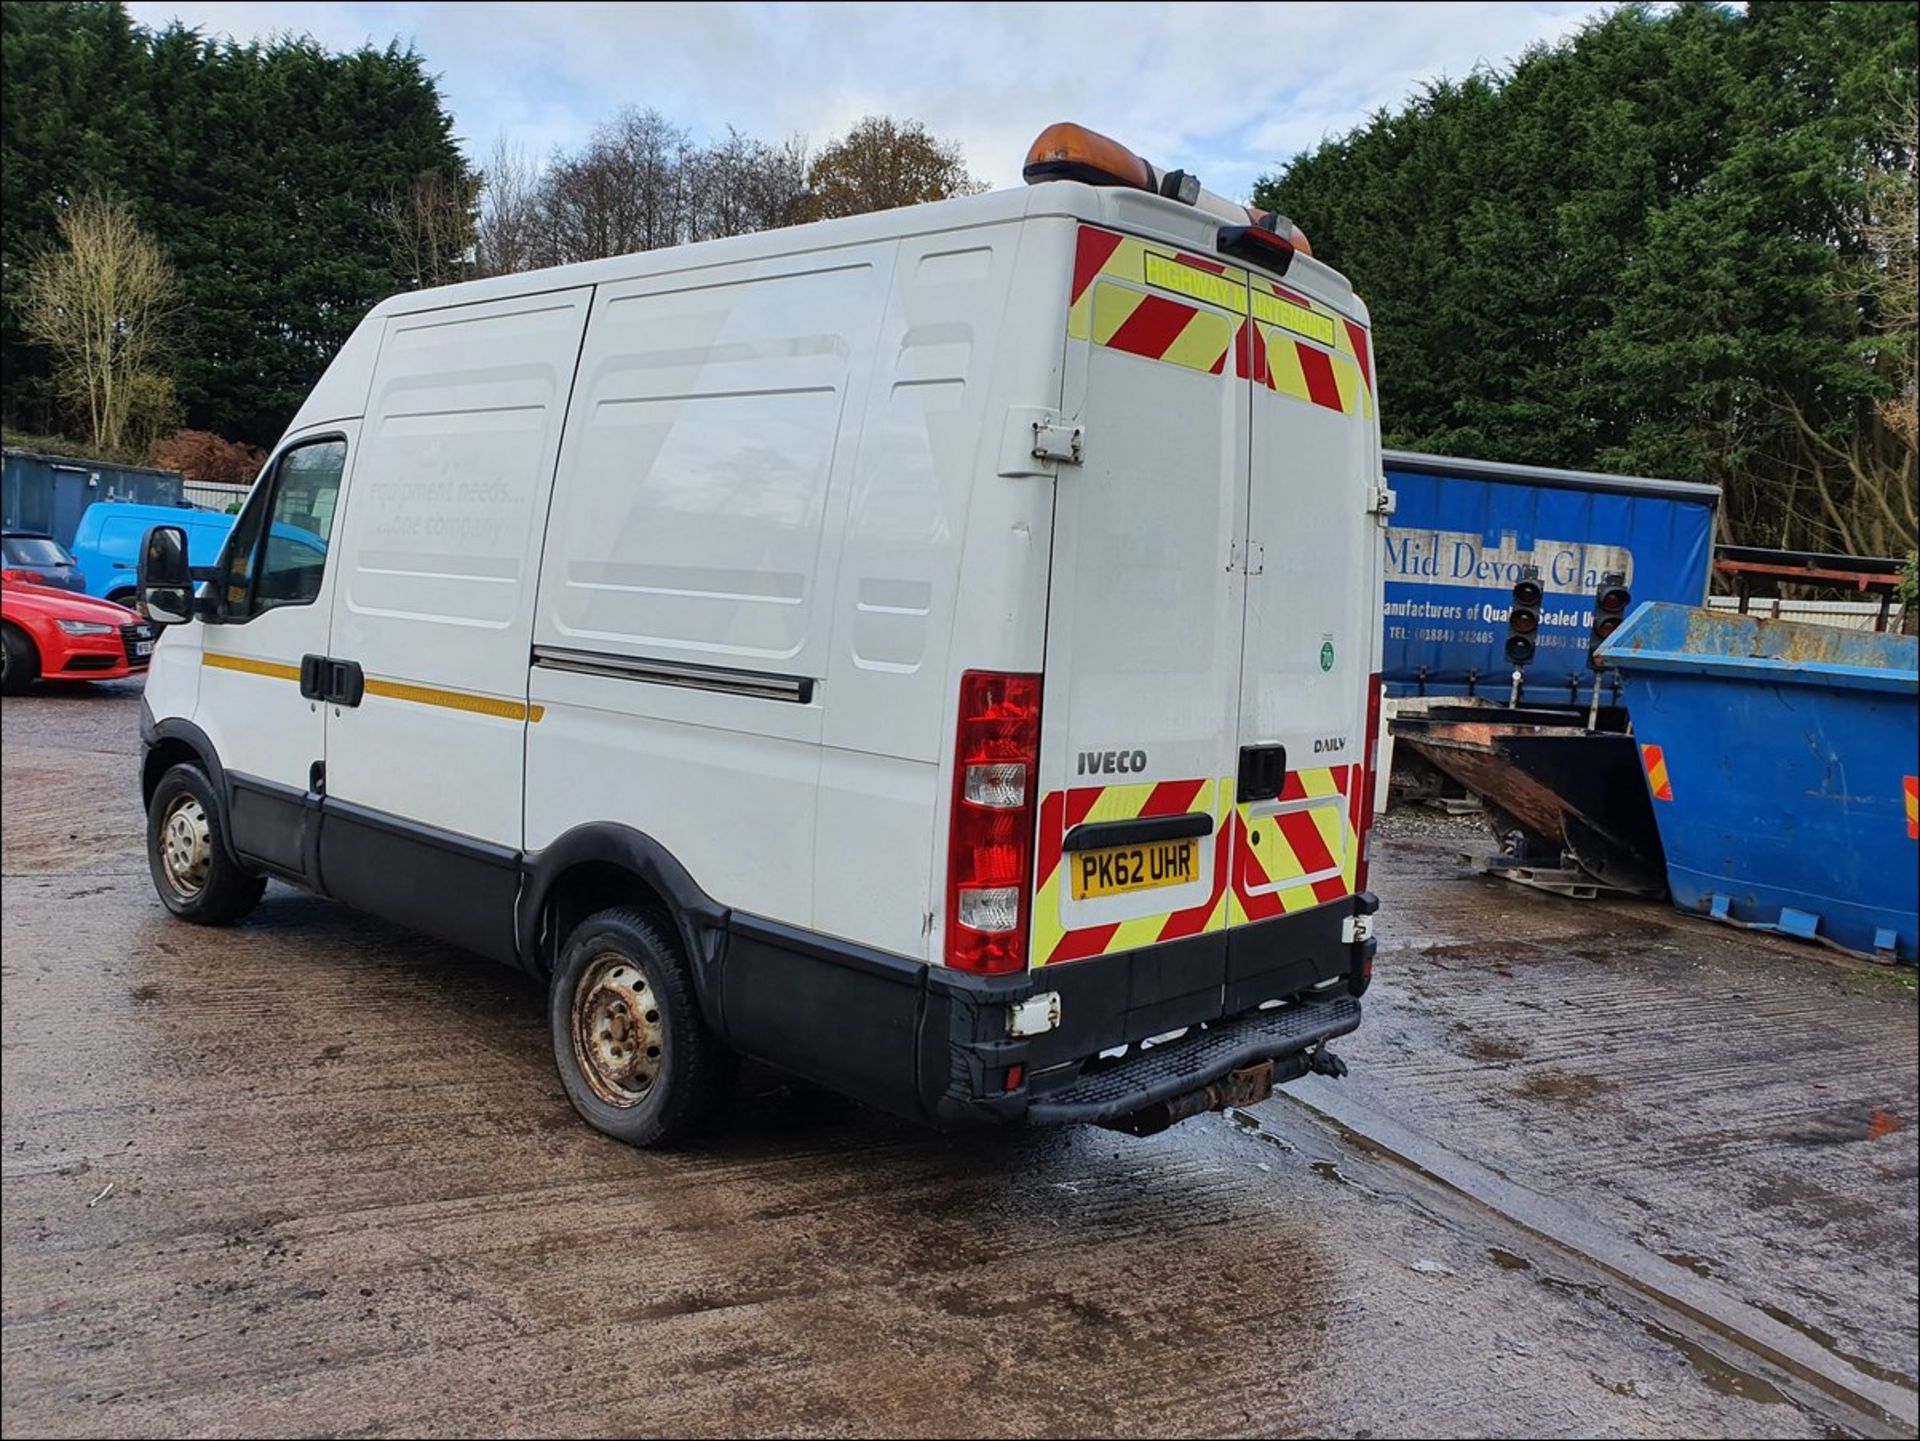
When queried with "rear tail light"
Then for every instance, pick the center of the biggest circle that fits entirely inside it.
(990, 843)
(1369, 775)
(23, 577)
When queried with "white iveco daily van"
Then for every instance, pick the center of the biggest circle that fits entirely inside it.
(930, 651)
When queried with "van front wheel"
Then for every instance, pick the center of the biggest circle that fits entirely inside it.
(634, 1053)
(196, 878)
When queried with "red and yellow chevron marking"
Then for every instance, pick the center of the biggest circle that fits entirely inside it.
(1124, 293)
(1061, 811)
(1655, 760)
(1299, 851)
(1299, 348)
(1150, 321)
(1911, 785)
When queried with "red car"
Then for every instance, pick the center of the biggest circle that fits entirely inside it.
(58, 635)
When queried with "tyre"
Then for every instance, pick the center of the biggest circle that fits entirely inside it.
(634, 1053)
(125, 596)
(19, 660)
(187, 854)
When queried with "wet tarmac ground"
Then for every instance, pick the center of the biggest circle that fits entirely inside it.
(1599, 1170)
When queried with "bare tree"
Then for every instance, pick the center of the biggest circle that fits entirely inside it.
(628, 190)
(882, 163)
(431, 229)
(101, 302)
(745, 185)
(512, 234)
(643, 183)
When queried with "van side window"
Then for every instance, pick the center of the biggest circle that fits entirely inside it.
(278, 552)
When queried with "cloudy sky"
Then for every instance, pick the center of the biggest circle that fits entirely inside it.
(1226, 90)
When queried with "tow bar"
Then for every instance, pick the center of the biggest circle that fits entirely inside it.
(1243, 1087)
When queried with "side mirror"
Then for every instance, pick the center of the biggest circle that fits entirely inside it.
(166, 580)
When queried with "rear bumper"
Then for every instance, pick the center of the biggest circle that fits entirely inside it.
(935, 1044)
(1195, 1061)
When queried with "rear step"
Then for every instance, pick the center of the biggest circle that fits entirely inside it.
(1226, 1064)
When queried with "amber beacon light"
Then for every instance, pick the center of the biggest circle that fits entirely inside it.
(1072, 152)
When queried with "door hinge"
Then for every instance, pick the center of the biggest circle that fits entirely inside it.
(1037, 441)
(1384, 501)
(1256, 558)
(1057, 441)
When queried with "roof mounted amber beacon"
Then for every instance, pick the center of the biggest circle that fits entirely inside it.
(1073, 152)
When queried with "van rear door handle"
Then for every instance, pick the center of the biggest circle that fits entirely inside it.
(1263, 773)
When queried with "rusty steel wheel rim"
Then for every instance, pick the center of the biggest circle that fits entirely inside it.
(186, 847)
(618, 1039)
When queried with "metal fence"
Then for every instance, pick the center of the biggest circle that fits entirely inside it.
(1844, 614)
(215, 495)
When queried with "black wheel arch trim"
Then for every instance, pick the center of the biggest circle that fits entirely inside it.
(152, 733)
(700, 920)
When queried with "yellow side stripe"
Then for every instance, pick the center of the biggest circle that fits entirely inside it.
(247, 664)
(390, 689)
(455, 700)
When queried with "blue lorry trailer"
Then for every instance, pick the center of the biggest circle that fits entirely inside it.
(1780, 762)
(1462, 529)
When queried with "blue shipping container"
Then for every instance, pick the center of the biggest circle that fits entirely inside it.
(1781, 762)
(1461, 531)
(49, 493)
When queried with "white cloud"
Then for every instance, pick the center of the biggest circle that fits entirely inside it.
(1227, 90)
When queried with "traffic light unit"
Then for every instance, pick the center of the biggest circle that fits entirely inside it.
(1609, 609)
(1523, 617)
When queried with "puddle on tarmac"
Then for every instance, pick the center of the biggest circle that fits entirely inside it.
(1699, 1265)
(1719, 1376)
(1828, 1341)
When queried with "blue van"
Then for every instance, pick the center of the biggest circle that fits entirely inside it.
(107, 542)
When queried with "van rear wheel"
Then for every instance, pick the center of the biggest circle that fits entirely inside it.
(634, 1053)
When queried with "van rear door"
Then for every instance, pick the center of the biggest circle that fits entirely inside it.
(1142, 685)
(1312, 609)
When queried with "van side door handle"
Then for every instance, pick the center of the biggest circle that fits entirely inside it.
(336, 682)
(346, 682)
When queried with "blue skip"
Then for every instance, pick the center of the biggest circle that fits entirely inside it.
(1781, 759)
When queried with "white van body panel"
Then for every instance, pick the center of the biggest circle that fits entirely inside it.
(696, 521)
(436, 568)
(942, 565)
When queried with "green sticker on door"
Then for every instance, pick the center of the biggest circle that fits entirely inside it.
(1326, 655)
